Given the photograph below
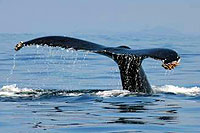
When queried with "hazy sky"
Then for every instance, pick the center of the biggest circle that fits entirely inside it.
(62, 16)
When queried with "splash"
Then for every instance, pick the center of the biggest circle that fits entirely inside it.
(193, 91)
(111, 93)
(14, 91)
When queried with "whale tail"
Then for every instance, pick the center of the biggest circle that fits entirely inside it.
(129, 61)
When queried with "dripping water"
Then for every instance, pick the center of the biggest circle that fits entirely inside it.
(12, 69)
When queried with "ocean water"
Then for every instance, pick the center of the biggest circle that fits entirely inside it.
(55, 90)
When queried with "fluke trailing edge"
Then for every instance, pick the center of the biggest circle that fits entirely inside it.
(129, 61)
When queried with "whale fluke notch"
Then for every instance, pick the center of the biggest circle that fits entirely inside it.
(129, 61)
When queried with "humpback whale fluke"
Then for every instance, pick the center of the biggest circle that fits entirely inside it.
(129, 61)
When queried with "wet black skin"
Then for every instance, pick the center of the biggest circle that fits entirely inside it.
(129, 61)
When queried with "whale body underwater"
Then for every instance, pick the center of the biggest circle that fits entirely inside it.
(129, 61)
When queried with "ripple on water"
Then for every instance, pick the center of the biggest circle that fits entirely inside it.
(75, 110)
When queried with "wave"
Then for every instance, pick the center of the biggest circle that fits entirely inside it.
(14, 91)
(169, 89)
(192, 91)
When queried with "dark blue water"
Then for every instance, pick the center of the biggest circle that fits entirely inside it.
(56, 90)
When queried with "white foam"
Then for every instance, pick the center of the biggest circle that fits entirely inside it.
(193, 91)
(111, 93)
(14, 91)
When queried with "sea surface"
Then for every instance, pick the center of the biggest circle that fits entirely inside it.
(54, 90)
